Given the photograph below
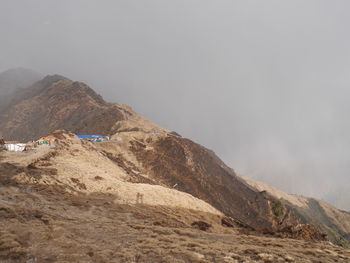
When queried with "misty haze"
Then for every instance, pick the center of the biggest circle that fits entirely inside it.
(263, 84)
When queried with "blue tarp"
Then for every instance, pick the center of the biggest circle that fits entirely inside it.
(92, 137)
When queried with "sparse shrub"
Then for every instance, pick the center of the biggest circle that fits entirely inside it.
(277, 208)
(228, 222)
(204, 226)
(80, 185)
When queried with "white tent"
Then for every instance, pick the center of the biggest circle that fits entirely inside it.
(18, 147)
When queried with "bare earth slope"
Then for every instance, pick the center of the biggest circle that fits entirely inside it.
(72, 203)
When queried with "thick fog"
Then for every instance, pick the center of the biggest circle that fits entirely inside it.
(265, 84)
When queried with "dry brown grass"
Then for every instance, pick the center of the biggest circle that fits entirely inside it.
(56, 223)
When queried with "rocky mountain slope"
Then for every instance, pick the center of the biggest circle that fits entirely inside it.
(142, 164)
(75, 202)
(58, 103)
(334, 222)
(54, 210)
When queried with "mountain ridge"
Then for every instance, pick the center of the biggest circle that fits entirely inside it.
(148, 153)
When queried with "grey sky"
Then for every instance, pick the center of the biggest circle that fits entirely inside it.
(265, 84)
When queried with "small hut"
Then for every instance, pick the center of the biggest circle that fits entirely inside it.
(15, 147)
(44, 141)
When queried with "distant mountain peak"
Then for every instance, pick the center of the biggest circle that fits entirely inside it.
(17, 78)
(49, 79)
(20, 70)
